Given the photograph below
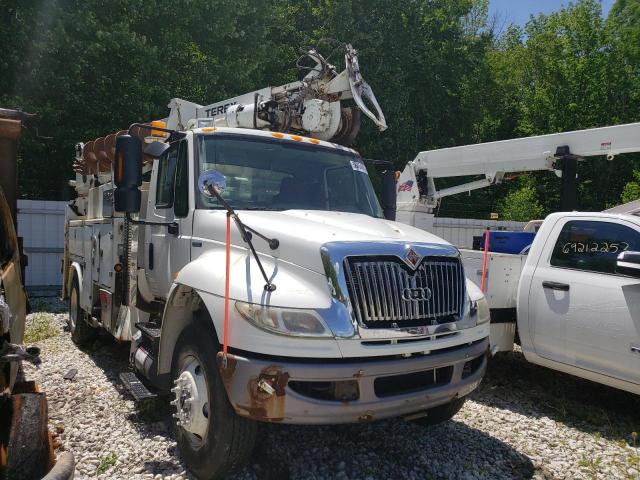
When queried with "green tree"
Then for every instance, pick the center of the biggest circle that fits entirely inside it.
(91, 70)
(631, 190)
(521, 205)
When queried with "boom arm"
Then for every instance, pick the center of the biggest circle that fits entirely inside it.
(417, 193)
(311, 106)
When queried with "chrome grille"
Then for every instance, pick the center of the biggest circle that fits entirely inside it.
(379, 287)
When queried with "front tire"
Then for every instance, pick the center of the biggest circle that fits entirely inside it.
(213, 439)
(441, 414)
(81, 332)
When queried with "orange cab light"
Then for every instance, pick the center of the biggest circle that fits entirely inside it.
(209, 129)
(277, 134)
(314, 140)
(296, 138)
(159, 124)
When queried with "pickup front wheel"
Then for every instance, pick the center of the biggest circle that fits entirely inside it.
(213, 440)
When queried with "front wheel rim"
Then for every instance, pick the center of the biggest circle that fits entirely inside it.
(192, 401)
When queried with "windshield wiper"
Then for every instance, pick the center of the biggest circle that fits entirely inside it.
(245, 233)
(264, 209)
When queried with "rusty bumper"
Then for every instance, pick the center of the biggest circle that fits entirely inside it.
(290, 391)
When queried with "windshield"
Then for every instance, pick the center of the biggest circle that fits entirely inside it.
(265, 174)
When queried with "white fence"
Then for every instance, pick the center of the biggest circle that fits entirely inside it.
(460, 231)
(41, 226)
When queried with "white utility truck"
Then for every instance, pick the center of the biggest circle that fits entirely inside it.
(573, 296)
(257, 280)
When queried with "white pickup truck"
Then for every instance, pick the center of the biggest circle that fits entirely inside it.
(576, 295)
(575, 311)
(334, 313)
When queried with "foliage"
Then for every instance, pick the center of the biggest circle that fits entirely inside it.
(631, 190)
(106, 463)
(39, 327)
(521, 205)
(441, 72)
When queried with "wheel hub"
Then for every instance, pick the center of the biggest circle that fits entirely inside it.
(191, 399)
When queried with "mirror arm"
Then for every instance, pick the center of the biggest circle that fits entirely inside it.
(273, 242)
(246, 236)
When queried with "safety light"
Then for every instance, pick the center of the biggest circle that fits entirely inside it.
(158, 124)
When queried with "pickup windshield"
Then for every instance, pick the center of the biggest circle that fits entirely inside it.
(265, 174)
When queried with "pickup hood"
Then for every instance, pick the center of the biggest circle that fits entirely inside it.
(302, 232)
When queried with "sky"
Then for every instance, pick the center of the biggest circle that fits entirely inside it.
(518, 11)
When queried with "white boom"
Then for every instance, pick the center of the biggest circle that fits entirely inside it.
(417, 196)
(310, 107)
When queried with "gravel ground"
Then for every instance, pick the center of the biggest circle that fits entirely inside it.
(523, 422)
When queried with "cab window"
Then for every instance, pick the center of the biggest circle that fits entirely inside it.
(166, 177)
(593, 245)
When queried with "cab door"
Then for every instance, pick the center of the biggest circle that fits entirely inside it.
(169, 247)
(583, 313)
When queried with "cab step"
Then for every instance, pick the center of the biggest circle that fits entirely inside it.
(151, 331)
(134, 384)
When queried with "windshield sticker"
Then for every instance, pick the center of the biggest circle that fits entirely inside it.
(359, 166)
(406, 186)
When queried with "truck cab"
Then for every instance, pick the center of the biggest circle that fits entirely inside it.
(325, 312)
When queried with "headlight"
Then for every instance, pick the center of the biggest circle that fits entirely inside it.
(285, 321)
(480, 308)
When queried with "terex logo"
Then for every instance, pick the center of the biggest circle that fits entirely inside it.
(218, 109)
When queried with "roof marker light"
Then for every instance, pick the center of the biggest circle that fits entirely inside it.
(159, 124)
(314, 141)
(277, 134)
(296, 138)
(209, 129)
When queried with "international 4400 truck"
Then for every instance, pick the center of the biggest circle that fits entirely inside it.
(257, 279)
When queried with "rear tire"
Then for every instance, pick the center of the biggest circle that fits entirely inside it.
(441, 413)
(81, 332)
(218, 441)
(28, 448)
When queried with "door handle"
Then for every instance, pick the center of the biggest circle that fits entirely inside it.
(563, 287)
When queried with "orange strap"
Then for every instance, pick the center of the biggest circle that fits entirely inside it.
(484, 261)
(225, 334)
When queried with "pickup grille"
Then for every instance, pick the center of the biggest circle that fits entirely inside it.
(385, 292)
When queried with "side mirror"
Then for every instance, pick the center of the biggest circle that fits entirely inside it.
(212, 181)
(156, 149)
(628, 263)
(127, 174)
(389, 194)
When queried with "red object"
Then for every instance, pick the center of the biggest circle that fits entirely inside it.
(406, 186)
(484, 262)
(225, 333)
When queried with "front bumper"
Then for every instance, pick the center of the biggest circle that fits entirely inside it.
(261, 389)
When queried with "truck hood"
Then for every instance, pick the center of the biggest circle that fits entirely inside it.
(301, 233)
